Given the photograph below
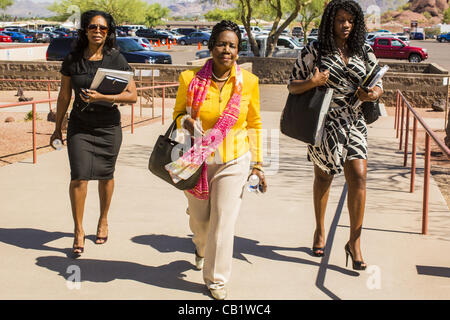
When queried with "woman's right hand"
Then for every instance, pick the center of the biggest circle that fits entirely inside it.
(57, 134)
(192, 126)
(320, 78)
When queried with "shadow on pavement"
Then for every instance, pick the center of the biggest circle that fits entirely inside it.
(166, 276)
(434, 271)
(27, 238)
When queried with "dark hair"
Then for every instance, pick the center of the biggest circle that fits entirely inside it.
(356, 39)
(82, 40)
(224, 25)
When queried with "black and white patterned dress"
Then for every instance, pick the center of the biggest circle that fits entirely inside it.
(345, 133)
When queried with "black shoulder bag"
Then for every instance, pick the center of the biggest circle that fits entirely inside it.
(299, 119)
(165, 151)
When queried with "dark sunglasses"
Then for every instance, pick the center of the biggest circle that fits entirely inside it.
(102, 28)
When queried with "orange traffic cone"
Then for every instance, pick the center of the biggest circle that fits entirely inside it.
(159, 43)
(168, 46)
(174, 41)
(199, 45)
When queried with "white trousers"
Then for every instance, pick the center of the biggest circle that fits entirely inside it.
(213, 221)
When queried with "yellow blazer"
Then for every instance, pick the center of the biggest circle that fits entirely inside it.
(246, 134)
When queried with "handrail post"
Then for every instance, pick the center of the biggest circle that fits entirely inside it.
(163, 103)
(405, 160)
(413, 156)
(401, 125)
(34, 133)
(132, 118)
(397, 101)
(426, 184)
(49, 96)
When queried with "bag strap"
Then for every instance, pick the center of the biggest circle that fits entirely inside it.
(172, 126)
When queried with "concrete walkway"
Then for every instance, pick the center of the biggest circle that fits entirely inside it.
(149, 253)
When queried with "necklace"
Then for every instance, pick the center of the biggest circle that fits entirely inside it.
(219, 79)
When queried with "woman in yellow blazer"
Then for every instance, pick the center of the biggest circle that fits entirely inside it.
(222, 98)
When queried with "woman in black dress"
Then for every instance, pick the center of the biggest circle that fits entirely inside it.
(94, 132)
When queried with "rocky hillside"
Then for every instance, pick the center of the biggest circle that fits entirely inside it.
(426, 12)
(434, 7)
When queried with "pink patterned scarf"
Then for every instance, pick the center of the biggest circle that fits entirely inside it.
(204, 146)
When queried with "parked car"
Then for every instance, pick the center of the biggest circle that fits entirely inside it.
(61, 33)
(314, 33)
(194, 38)
(5, 38)
(154, 35)
(416, 36)
(126, 30)
(18, 37)
(444, 37)
(143, 42)
(297, 32)
(185, 31)
(403, 38)
(38, 36)
(175, 34)
(131, 50)
(386, 47)
(52, 35)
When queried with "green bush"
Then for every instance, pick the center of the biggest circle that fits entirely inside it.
(29, 116)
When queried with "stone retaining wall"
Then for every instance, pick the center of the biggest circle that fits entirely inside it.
(421, 83)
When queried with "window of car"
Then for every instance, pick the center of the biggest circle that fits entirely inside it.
(128, 45)
(283, 43)
(396, 43)
(383, 42)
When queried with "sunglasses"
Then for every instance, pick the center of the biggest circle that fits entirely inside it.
(102, 28)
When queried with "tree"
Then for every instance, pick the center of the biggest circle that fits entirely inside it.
(5, 4)
(446, 18)
(310, 11)
(155, 13)
(220, 14)
(292, 6)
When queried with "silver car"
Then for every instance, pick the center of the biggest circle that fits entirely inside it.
(143, 42)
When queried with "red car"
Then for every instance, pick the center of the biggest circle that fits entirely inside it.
(5, 38)
(392, 48)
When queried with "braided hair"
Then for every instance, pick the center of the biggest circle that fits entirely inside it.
(356, 40)
(224, 25)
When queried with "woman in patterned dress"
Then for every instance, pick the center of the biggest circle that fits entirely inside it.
(345, 60)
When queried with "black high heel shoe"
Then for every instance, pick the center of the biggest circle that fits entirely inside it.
(318, 252)
(78, 250)
(357, 265)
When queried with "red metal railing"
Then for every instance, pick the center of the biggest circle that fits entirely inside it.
(34, 80)
(33, 103)
(400, 106)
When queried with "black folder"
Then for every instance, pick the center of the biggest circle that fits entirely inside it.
(112, 85)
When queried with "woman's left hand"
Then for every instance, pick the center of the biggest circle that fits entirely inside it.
(262, 179)
(371, 95)
(92, 96)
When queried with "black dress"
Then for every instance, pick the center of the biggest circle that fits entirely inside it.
(94, 135)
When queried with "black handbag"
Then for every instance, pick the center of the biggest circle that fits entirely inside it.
(371, 111)
(301, 118)
(165, 151)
